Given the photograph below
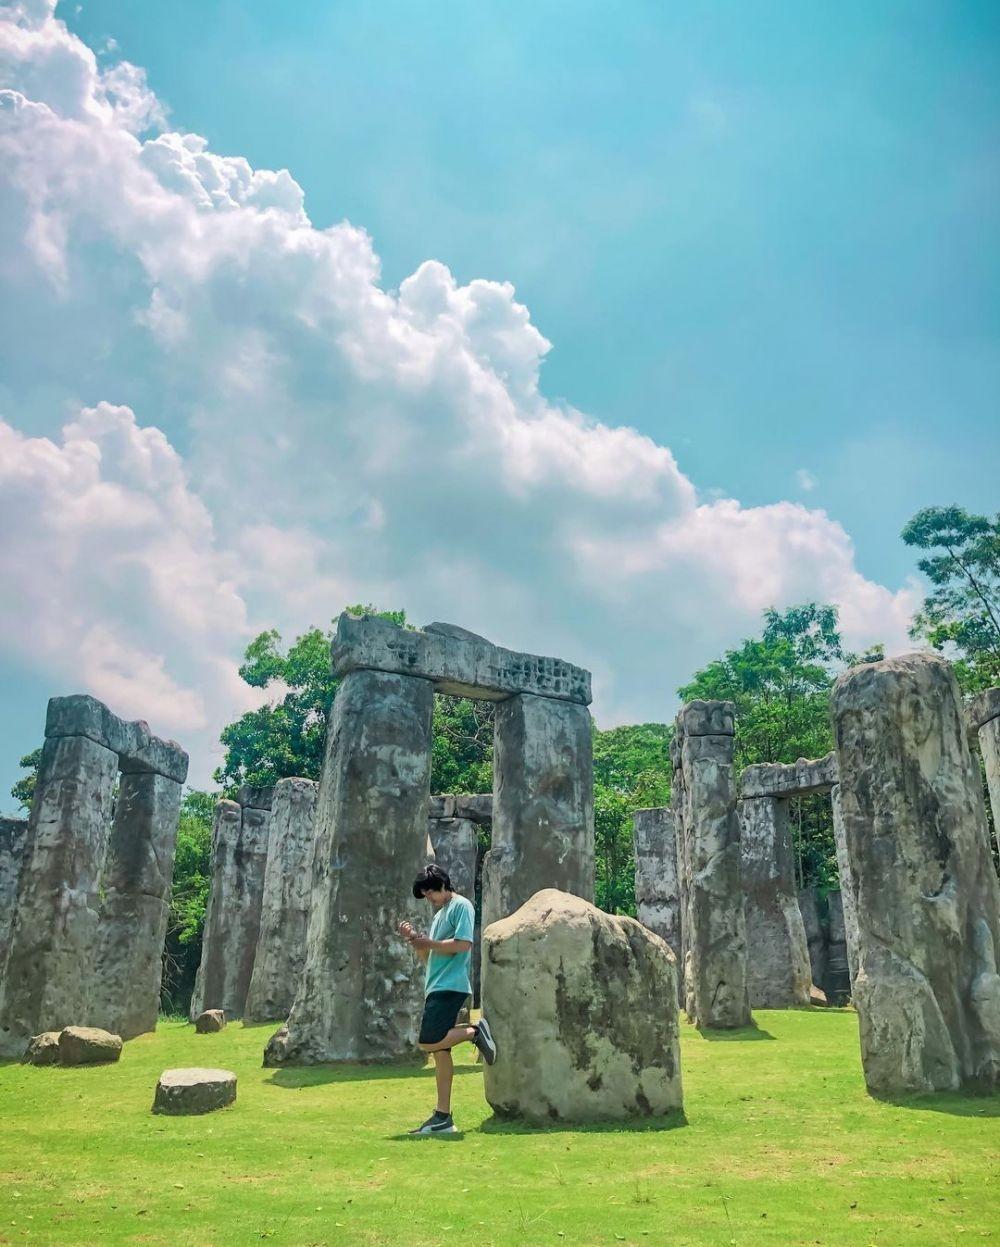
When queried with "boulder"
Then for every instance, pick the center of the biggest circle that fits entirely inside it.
(583, 1005)
(188, 1092)
(43, 1049)
(210, 1021)
(88, 1045)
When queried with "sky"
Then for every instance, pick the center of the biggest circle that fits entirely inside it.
(595, 329)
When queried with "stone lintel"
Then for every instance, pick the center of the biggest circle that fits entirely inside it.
(137, 748)
(250, 797)
(707, 718)
(792, 779)
(983, 708)
(476, 807)
(459, 663)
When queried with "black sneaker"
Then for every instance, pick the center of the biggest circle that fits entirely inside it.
(485, 1042)
(437, 1123)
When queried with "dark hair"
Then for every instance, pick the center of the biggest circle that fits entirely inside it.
(431, 879)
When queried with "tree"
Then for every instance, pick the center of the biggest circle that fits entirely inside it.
(188, 899)
(24, 790)
(961, 615)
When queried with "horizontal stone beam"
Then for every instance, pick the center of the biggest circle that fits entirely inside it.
(456, 661)
(983, 709)
(707, 718)
(793, 779)
(253, 798)
(476, 807)
(137, 748)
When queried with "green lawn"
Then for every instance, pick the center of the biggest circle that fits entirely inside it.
(780, 1145)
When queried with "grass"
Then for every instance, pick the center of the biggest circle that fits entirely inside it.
(780, 1145)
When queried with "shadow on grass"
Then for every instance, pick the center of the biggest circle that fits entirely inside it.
(739, 1034)
(954, 1103)
(457, 1137)
(296, 1076)
(640, 1125)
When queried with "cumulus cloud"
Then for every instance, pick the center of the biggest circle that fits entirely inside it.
(341, 441)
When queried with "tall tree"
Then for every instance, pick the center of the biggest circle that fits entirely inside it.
(188, 898)
(961, 615)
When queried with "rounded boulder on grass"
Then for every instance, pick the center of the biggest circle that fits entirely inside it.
(189, 1092)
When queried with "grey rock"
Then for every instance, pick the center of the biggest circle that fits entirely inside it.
(188, 1092)
(360, 993)
(459, 663)
(13, 853)
(657, 882)
(794, 779)
(928, 900)
(253, 798)
(778, 970)
(583, 1005)
(847, 886)
(137, 748)
(477, 807)
(543, 807)
(88, 1045)
(232, 917)
(815, 934)
(210, 1022)
(714, 927)
(43, 1049)
(984, 714)
(983, 708)
(284, 914)
(837, 981)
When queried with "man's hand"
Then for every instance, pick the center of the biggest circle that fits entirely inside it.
(406, 930)
(421, 943)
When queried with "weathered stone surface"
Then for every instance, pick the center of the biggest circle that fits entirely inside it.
(847, 887)
(983, 708)
(657, 883)
(714, 926)
(476, 807)
(88, 1045)
(210, 1022)
(778, 971)
(137, 748)
(360, 993)
(583, 1005)
(837, 980)
(543, 805)
(793, 779)
(46, 982)
(284, 914)
(815, 935)
(928, 900)
(459, 662)
(124, 994)
(43, 1049)
(984, 714)
(13, 851)
(250, 797)
(188, 1092)
(232, 917)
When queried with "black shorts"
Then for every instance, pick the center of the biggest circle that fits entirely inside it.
(441, 1009)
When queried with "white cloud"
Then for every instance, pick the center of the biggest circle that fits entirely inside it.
(805, 480)
(342, 442)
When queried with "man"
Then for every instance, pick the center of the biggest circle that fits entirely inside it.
(447, 953)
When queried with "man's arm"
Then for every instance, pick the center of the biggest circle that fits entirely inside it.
(422, 946)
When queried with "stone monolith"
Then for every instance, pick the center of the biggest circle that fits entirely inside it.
(583, 1005)
(847, 885)
(543, 803)
(984, 718)
(704, 798)
(928, 900)
(13, 851)
(837, 980)
(360, 993)
(778, 971)
(657, 884)
(815, 935)
(284, 913)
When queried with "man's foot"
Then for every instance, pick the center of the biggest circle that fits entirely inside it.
(485, 1042)
(437, 1123)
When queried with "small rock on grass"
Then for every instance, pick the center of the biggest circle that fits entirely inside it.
(184, 1092)
(43, 1049)
(210, 1021)
(88, 1045)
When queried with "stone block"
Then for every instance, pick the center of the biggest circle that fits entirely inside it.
(14, 841)
(657, 882)
(983, 708)
(210, 1022)
(707, 718)
(794, 779)
(190, 1092)
(254, 798)
(137, 748)
(88, 1045)
(43, 1049)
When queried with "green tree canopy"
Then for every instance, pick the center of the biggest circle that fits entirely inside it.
(961, 615)
(24, 789)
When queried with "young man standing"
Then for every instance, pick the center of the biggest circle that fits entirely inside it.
(447, 953)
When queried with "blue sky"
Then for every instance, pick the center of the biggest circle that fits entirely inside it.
(762, 235)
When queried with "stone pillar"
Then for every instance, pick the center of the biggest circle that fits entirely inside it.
(815, 935)
(284, 914)
(124, 995)
(360, 994)
(837, 980)
(847, 886)
(232, 918)
(984, 716)
(45, 986)
(657, 885)
(13, 851)
(928, 901)
(778, 971)
(704, 796)
(543, 804)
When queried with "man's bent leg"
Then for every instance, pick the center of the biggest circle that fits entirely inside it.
(457, 1035)
(444, 1072)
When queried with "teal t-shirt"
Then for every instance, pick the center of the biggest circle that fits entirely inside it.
(454, 921)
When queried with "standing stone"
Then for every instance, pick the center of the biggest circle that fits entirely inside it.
(13, 851)
(837, 981)
(778, 971)
(848, 905)
(984, 717)
(543, 804)
(928, 900)
(704, 797)
(584, 1008)
(232, 917)
(124, 993)
(360, 993)
(284, 914)
(815, 935)
(657, 885)
(46, 983)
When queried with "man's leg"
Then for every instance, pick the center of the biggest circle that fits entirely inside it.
(444, 1073)
(457, 1035)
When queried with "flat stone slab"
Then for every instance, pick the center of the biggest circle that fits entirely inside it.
(792, 779)
(477, 807)
(137, 748)
(88, 1045)
(189, 1092)
(983, 708)
(253, 798)
(43, 1049)
(707, 718)
(209, 1022)
(458, 662)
